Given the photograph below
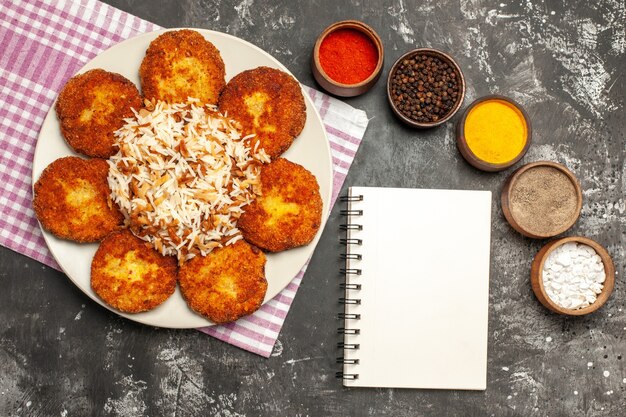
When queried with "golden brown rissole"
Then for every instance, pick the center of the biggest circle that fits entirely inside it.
(288, 212)
(72, 200)
(131, 276)
(91, 107)
(269, 103)
(225, 285)
(182, 64)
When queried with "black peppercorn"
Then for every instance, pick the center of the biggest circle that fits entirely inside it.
(424, 88)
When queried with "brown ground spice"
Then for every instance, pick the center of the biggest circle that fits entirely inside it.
(543, 200)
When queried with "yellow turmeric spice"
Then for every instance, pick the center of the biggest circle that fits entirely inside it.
(495, 131)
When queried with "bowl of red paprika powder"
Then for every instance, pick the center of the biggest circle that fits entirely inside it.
(347, 58)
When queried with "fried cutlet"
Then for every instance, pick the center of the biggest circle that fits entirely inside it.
(182, 64)
(131, 276)
(91, 107)
(288, 212)
(269, 103)
(72, 200)
(225, 285)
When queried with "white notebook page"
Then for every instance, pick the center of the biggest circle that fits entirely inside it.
(425, 288)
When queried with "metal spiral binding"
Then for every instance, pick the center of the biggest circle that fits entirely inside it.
(351, 226)
(348, 316)
(345, 286)
(351, 198)
(341, 359)
(351, 241)
(351, 346)
(343, 330)
(341, 375)
(351, 212)
(347, 227)
(343, 300)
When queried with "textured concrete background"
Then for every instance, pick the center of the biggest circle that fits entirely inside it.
(62, 355)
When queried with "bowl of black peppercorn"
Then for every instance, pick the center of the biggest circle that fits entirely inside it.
(425, 87)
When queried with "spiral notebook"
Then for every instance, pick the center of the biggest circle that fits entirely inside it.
(416, 288)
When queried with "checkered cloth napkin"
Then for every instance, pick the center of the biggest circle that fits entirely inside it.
(45, 42)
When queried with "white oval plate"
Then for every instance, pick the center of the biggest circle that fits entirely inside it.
(310, 150)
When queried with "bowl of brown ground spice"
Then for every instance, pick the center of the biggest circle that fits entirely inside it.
(541, 199)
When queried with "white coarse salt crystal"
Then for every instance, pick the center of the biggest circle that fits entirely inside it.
(505, 368)
(575, 392)
(606, 374)
(564, 259)
(589, 250)
(569, 246)
(573, 275)
(589, 364)
(548, 339)
(596, 287)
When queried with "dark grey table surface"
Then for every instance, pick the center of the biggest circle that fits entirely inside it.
(63, 355)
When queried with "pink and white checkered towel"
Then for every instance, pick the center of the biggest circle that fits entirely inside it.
(43, 43)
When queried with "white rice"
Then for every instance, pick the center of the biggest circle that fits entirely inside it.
(182, 175)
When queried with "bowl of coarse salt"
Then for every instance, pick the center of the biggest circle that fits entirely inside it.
(572, 275)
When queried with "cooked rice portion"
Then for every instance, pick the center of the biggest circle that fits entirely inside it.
(182, 175)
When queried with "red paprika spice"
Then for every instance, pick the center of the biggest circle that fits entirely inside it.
(348, 56)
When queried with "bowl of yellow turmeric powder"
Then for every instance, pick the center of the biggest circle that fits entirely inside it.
(494, 133)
